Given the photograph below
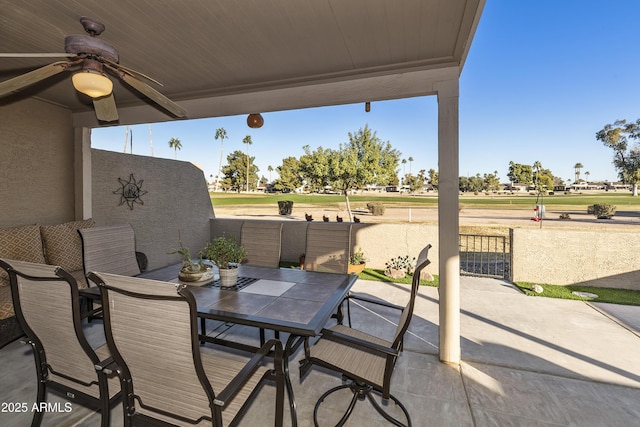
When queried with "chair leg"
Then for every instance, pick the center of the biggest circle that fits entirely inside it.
(348, 412)
(360, 391)
(386, 415)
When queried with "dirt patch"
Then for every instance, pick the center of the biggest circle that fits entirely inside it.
(470, 219)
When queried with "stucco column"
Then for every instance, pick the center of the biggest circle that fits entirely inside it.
(82, 172)
(448, 221)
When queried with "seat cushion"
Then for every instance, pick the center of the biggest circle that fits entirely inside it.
(21, 244)
(350, 359)
(62, 244)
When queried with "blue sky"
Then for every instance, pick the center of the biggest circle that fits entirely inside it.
(542, 77)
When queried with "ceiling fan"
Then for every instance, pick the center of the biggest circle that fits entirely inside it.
(92, 56)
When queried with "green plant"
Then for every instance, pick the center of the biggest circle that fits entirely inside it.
(224, 252)
(357, 258)
(187, 261)
(376, 208)
(405, 263)
(604, 210)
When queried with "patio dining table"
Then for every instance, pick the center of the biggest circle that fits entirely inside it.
(292, 301)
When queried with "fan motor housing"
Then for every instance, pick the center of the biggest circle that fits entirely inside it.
(90, 46)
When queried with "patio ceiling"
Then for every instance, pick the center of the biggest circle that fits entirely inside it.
(221, 57)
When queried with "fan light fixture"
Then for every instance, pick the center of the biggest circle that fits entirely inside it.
(367, 106)
(92, 83)
(255, 120)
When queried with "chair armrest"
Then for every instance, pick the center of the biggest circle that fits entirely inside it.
(250, 368)
(106, 366)
(375, 301)
(367, 345)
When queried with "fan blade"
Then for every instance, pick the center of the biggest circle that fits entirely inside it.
(154, 95)
(134, 73)
(106, 108)
(27, 79)
(36, 55)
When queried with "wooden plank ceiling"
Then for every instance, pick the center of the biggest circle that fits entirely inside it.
(215, 49)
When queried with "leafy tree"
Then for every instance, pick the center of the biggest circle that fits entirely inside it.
(290, 175)
(519, 173)
(474, 183)
(492, 182)
(314, 168)
(626, 158)
(176, 145)
(221, 134)
(433, 177)
(415, 183)
(235, 172)
(364, 160)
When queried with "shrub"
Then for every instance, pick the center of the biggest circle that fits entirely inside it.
(405, 263)
(604, 211)
(376, 208)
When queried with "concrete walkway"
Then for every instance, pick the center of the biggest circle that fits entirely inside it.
(527, 361)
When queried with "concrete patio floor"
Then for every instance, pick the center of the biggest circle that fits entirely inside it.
(527, 361)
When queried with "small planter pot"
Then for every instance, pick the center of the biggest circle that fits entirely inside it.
(228, 277)
(195, 276)
(356, 268)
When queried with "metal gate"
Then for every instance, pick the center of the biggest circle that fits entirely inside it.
(487, 256)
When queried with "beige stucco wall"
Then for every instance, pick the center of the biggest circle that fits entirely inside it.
(36, 164)
(563, 257)
(177, 199)
(379, 242)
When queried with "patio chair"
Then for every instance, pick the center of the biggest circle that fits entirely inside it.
(109, 249)
(328, 246)
(262, 241)
(47, 306)
(151, 330)
(366, 362)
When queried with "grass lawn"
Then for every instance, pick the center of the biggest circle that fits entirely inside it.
(623, 200)
(614, 296)
(378, 275)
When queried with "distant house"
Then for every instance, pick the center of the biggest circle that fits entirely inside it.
(517, 187)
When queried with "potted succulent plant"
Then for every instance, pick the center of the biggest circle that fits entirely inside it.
(192, 271)
(226, 253)
(357, 262)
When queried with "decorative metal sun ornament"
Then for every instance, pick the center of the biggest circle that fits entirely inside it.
(130, 192)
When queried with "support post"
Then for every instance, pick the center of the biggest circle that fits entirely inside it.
(82, 173)
(448, 221)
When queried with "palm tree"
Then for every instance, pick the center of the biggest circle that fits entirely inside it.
(404, 162)
(410, 160)
(577, 167)
(176, 145)
(270, 169)
(587, 173)
(247, 140)
(221, 134)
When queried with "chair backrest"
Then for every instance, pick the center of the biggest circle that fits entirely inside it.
(151, 331)
(407, 313)
(262, 240)
(109, 249)
(328, 247)
(46, 303)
